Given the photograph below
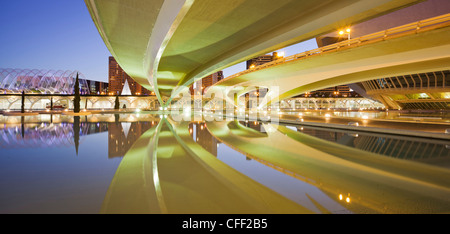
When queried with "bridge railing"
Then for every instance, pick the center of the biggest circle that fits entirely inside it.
(407, 29)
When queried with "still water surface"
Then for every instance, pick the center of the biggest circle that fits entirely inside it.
(141, 163)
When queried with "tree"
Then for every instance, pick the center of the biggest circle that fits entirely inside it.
(117, 104)
(22, 109)
(76, 100)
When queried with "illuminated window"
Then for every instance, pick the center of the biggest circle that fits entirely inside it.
(397, 97)
(423, 95)
(418, 96)
(445, 95)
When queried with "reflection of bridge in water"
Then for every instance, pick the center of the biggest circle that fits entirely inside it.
(174, 170)
(401, 147)
(178, 167)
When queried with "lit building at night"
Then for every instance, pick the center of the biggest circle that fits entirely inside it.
(423, 91)
(200, 86)
(260, 60)
(117, 78)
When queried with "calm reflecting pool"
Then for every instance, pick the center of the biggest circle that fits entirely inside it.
(143, 163)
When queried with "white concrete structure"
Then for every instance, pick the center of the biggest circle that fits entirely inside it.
(40, 81)
(167, 45)
(40, 102)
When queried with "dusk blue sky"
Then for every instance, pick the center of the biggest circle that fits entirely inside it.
(51, 34)
(60, 35)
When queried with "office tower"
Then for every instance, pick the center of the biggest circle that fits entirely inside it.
(199, 87)
(117, 78)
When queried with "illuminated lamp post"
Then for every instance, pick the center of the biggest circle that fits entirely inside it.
(280, 54)
(347, 31)
(336, 92)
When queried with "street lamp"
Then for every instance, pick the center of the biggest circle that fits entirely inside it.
(347, 31)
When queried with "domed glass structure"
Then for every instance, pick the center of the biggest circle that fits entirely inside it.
(41, 81)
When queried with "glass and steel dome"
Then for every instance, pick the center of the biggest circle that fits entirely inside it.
(40, 81)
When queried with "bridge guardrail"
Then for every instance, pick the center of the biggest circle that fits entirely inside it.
(407, 29)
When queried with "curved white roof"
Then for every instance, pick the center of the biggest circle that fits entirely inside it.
(40, 81)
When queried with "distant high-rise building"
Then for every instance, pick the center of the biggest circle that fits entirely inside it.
(261, 60)
(97, 87)
(199, 87)
(117, 77)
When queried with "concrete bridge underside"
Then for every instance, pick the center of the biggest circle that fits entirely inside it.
(414, 53)
(166, 45)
